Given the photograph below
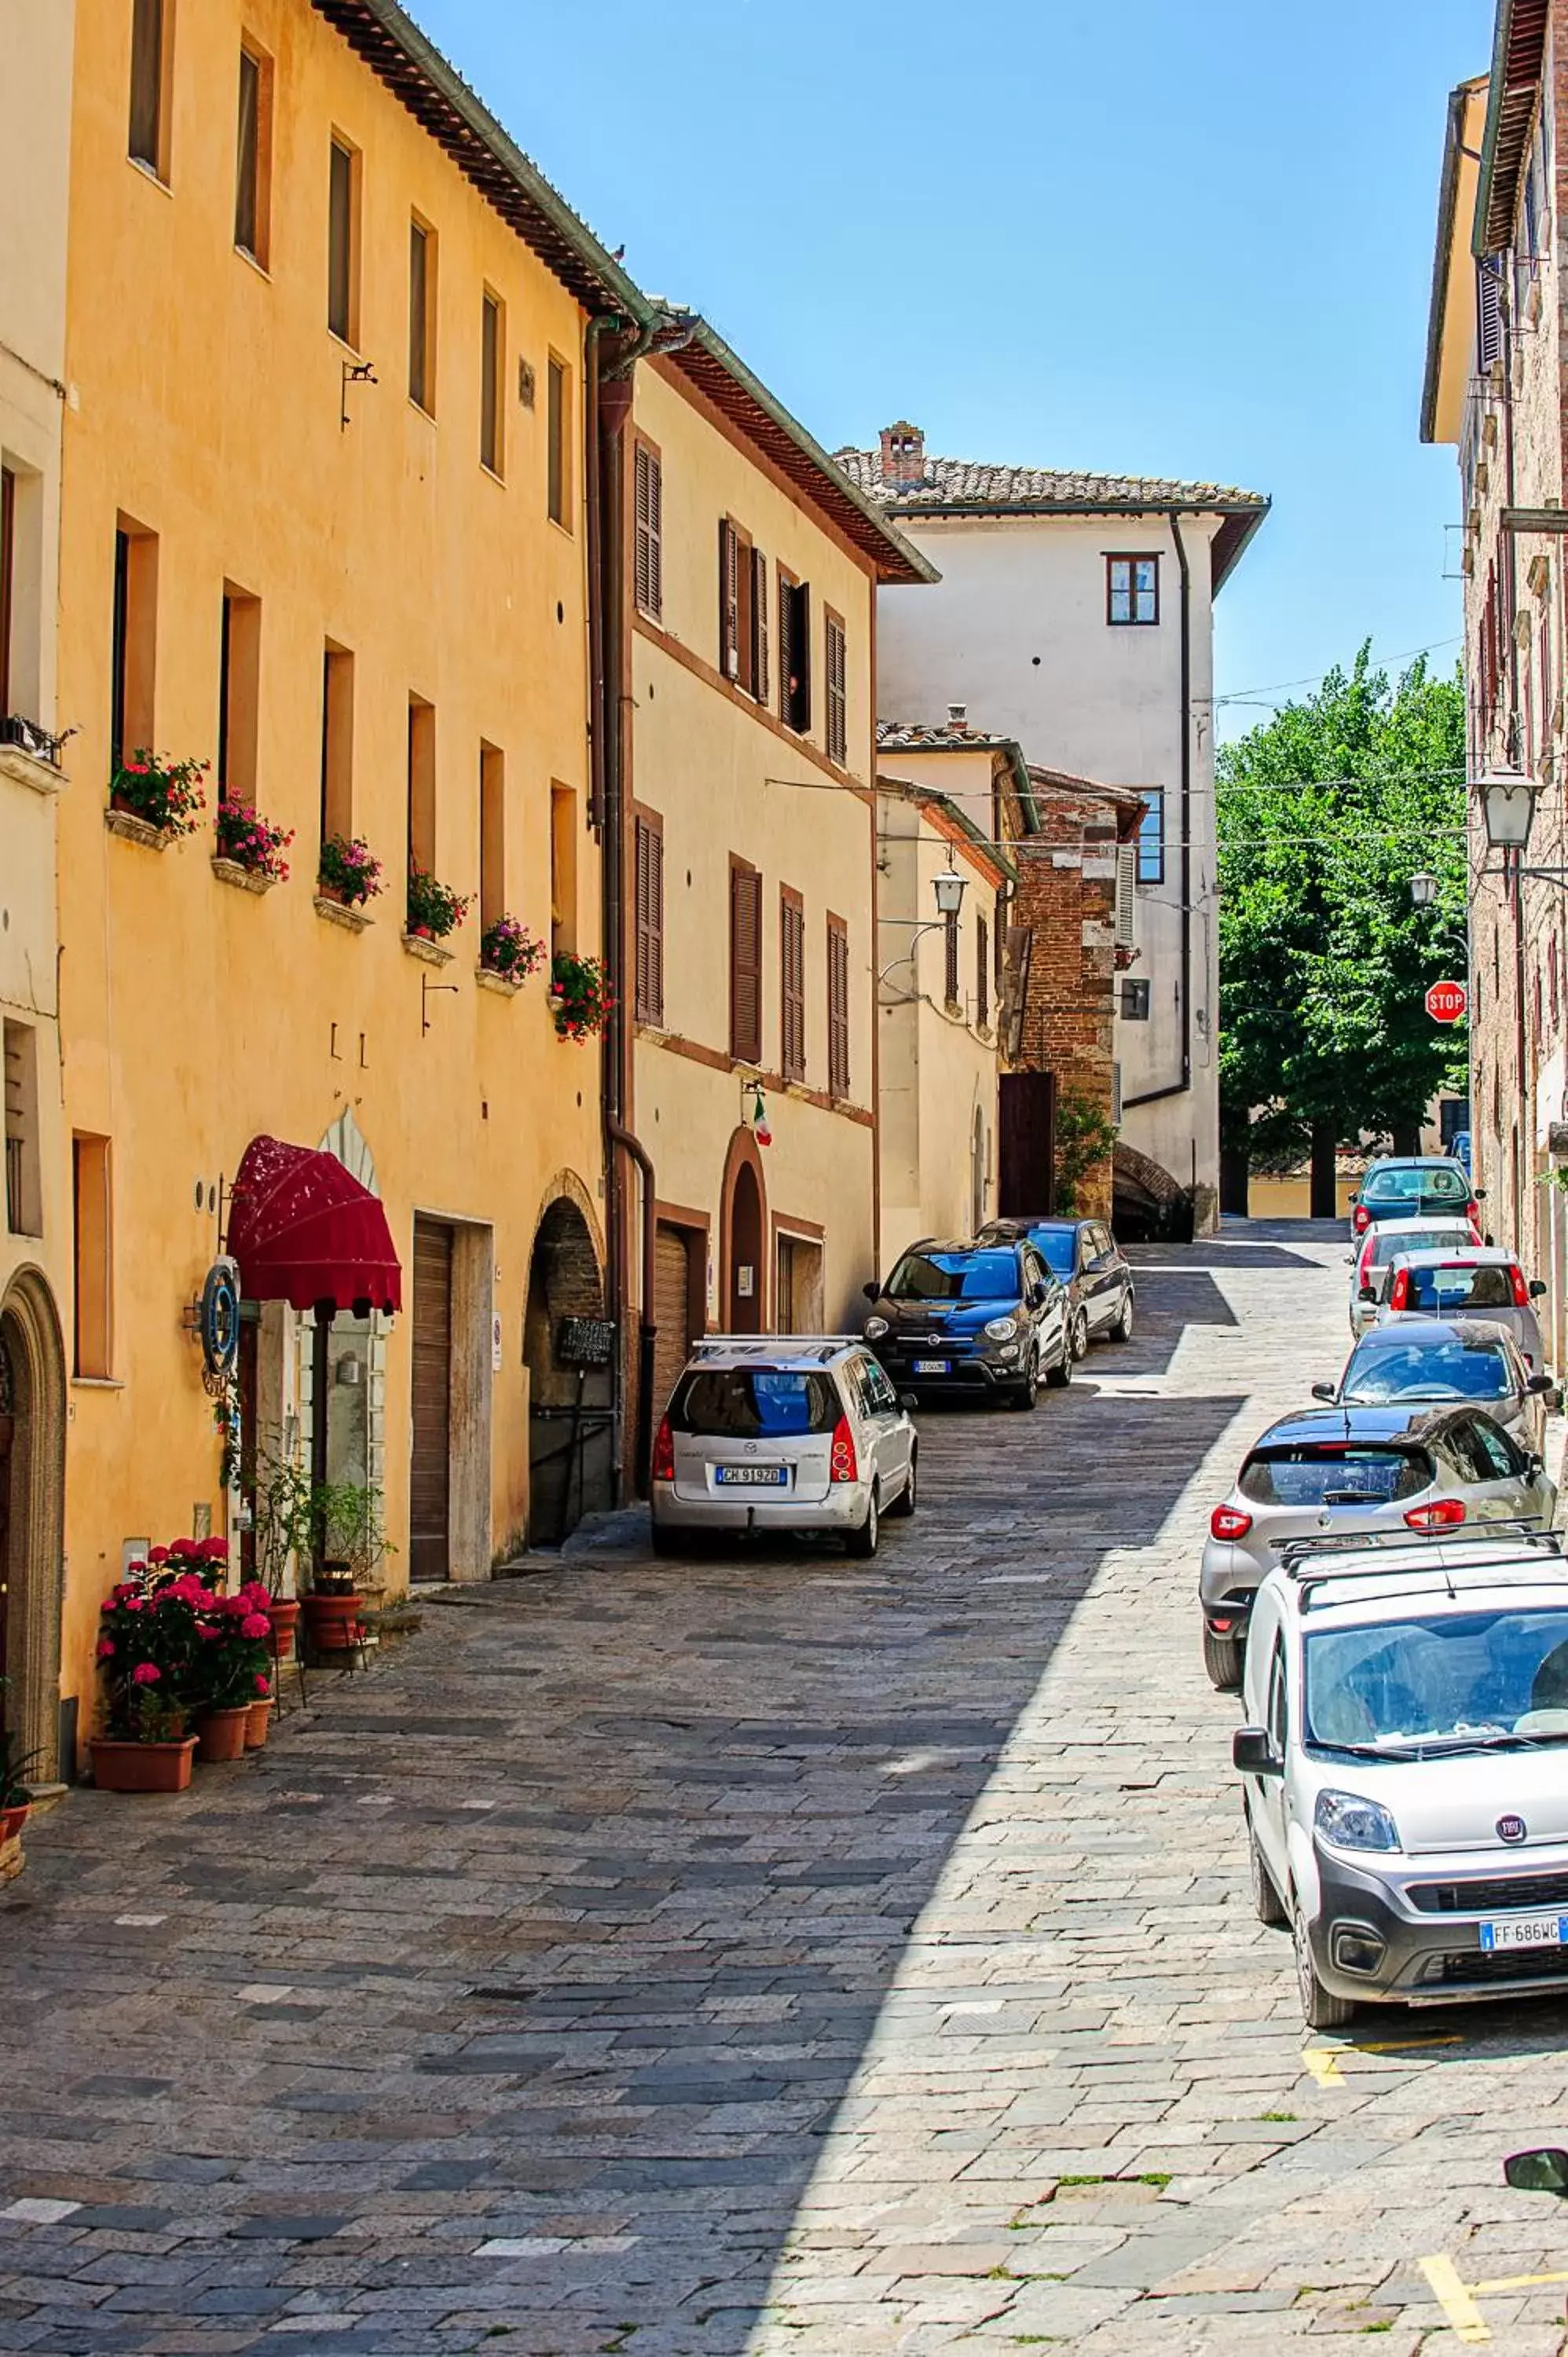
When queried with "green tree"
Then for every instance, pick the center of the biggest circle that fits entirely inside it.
(1325, 813)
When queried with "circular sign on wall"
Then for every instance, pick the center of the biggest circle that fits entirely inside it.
(1446, 1001)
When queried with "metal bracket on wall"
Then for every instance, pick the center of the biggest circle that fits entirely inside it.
(426, 990)
(354, 372)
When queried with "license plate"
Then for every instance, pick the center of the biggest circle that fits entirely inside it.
(930, 1366)
(1525, 1931)
(752, 1476)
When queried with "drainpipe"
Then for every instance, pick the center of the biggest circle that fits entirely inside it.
(1525, 1125)
(1179, 1088)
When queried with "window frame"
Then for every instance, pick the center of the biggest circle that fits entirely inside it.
(835, 691)
(258, 247)
(648, 915)
(558, 500)
(424, 262)
(982, 971)
(648, 527)
(337, 809)
(1150, 843)
(492, 835)
(348, 333)
(492, 384)
(794, 628)
(1132, 558)
(92, 1355)
(791, 983)
(159, 14)
(837, 939)
(745, 1046)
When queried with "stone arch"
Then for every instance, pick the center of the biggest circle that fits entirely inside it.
(571, 1418)
(34, 1376)
(566, 1184)
(346, 1142)
(1149, 1203)
(742, 1222)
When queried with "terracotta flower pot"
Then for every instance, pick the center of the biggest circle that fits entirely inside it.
(284, 1614)
(119, 1766)
(258, 1718)
(12, 1820)
(221, 1734)
(331, 1623)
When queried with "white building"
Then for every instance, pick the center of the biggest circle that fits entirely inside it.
(1075, 612)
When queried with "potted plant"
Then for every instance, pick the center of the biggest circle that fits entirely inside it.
(353, 1545)
(580, 997)
(283, 1534)
(164, 795)
(349, 872)
(508, 949)
(16, 1798)
(145, 1655)
(434, 909)
(231, 1667)
(247, 841)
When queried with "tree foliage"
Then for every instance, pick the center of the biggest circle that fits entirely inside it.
(1325, 813)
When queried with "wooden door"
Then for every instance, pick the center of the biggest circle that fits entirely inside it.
(429, 1472)
(672, 1311)
(746, 1274)
(7, 1430)
(1027, 1166)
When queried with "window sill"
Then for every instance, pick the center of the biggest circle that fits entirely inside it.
(243, 253)
(564, 529)
(149, 172)
(506, 984)
(337, 912)
(243, 879)
(132, 829)
(420, 410)
(344, 344)
(433, 953)
(494, 474)
(28, 770)
(98, 1382)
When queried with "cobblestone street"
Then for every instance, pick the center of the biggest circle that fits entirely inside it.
(735, 1958)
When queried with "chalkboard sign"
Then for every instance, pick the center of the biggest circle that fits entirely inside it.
(585, 1341)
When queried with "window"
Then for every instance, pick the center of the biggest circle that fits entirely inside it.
(1152, 836)
(7, 581)
(149, 85)
(794, 653)
(838, 689)
(736, 598)
(950, 958)
(238, 683)
(93, 1257)
(1132, 589)
(492, 836)
(838, 1007)
(421, 786)
(253, 156)
(563, 870)
(23, 1187)
(135, 649)
(558, 442)
(792, 984)
(982, 972)
(649, 885)
(1125, 914)
(1543, 680)
(343, 244)
(492, 365)
(744, 962)
(1489, 314)
(648, 524)
(337, 742)
(422, 316)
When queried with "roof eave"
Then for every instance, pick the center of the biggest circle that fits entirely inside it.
(933, 798)
(1447, 195)
(1520, 28)
(1232, 542)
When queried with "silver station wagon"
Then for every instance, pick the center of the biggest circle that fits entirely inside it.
(782, 1431)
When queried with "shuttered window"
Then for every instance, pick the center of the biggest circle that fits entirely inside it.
(838, 689)
(793, 983)
(949, 960)
(650, 889)
(794, 653)
(738, 607)
(745, 963)
(649, 500)
(1488, 313)
(982, 972)
(761, 687)
(838, 1007)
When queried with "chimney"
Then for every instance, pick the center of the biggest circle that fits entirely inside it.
(958, 720)
(903, 456)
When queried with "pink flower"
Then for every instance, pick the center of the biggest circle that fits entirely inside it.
(255, 1625)
(157, 1554)
(146, 1673)
(215, 1550)
(263, 1685)
(106, 1649)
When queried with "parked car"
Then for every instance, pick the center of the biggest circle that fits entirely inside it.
(1339, 1472)
(1380, 1243)
(1460, 1148)
(965, 1317)
(1482, 1283)
(1085, 1258)
(1427, 1360)
(782, 1431)
(1403, 1770)
(1414, 1186)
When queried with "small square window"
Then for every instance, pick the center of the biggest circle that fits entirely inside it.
(1132, 589)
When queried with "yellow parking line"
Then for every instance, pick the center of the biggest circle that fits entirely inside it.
(1520, 2283)
(1322, 2063)
(1454, 2298)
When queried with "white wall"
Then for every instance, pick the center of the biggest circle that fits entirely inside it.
(1016, 631)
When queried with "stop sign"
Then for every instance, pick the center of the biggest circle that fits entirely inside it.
(1446, 1001)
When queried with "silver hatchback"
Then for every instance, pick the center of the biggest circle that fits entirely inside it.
(782, 1431)
(1465, 1281)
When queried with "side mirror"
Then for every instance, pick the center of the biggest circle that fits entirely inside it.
(1554, 1399)
(1545, 2171)
(1323, 1391)
(1534, 1467)
(1537, 1287)
(1369, 1293)
(1252, 1750)
(1478, 1194)
(872, 1292)
(1540, 1385)
(908, 1399)
(1038, 1294)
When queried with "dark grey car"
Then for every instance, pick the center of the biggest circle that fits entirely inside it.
(1084, 1256)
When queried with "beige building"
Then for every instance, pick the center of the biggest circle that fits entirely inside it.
(36, 43)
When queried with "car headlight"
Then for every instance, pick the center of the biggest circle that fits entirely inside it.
(875, 1328)
(1351, 1823)
(1000, 1329)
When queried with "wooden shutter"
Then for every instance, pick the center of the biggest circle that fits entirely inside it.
(430, 1453)
(650, 911)
(650, 531)
(982, 972)
(949, 960)
(793, 983)
(838, 691)
(760, 682)
(838, 1007)
(1126, 896)
(1489, 314)
(744, 964)
(729, 599)
(786, 642)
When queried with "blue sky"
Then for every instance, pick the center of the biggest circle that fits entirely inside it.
(1169, 237)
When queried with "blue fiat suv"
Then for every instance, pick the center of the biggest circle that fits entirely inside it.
(970, 1317)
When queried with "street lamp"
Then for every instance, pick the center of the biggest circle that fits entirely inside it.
(1423, 889)
(949, 888)
(1508, 806)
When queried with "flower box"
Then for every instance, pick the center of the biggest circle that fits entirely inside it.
(244, 879)
(338, 913)
(132, 829)
(126, 1766)
(162, 795)
(508, 984)
(420, 946)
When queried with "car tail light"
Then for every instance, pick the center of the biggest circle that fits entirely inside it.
(1442, 1514)
(1360, 1218)
(1399, 1292)
(1229, 1523)
(1520, 1290)
(841, 1462)
(1364, 1272)
(1473, 1213)
(664, 1453)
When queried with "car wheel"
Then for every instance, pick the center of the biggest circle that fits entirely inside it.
(1267, 1904)
(1080, 1338)
(1122, 1331)
(1320, 2009)
(1222, 1660)
(1060, 1375)
(863, 1542)
(904, 1503)
(666, 1542)
(1024, 1396)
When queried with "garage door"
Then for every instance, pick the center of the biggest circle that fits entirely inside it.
(428, 1470)
(671, 1309)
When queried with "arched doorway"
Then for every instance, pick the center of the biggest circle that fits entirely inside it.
(571, 1374)
(32, 1513)
(743, 1239)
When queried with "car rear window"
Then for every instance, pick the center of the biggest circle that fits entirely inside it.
(1057, 1247)
(1456, 1287)
(1419, 1186)
(1388, 1242)
(1313, 1476)
(755, 1403)
(1429, 1371)
(955, 1276)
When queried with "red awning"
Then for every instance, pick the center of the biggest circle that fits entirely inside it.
(305, 1231)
